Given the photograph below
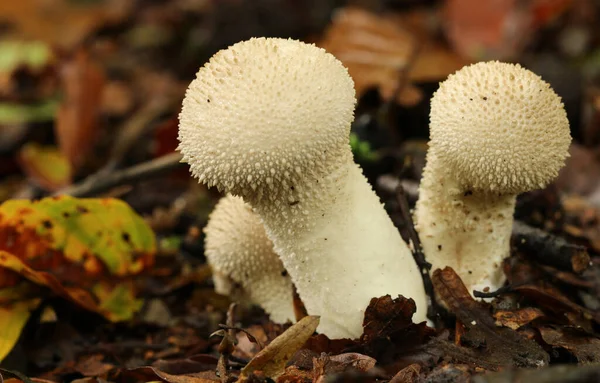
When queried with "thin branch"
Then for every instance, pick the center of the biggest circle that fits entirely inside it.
(424, 266)
(100, 182)
(549, 249)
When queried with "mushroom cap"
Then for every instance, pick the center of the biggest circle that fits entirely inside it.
(239, 251)
(499, 127)
(262, 110)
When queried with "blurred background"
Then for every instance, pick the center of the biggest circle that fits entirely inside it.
(96, 85)
(90, 91)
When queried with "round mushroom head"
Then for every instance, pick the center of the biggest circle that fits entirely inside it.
(243, 260)
(263, 110)
(499, 127)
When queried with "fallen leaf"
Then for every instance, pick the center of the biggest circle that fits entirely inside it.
(90, 248)
(59, 22)
(585, 347)
(409, 374)
(93, 366)
(496, 29)
(326, 365)
(76, 122)
(77, 239)
(13, 318)
(26, 71)
(374, 50)
(389, 333)
(14, 114)
(46, 166)
(272, 359)
(149, 374)
(489, 346)
(515, 319)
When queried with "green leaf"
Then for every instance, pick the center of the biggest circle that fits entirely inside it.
(34, 54)
(46, 165)
(13, 114)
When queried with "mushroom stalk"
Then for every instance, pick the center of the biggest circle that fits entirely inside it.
(468, 230)
(340, 247)
(269, 120)
(244, 265)
(497, 130)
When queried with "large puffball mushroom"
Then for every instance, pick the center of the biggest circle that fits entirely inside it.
(269, 120)
(496, 130)
(243, 261)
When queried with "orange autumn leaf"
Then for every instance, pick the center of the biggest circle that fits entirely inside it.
(374, 50)
(76, 122)
(379, 51)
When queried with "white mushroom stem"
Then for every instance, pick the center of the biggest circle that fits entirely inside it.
(341, 248)
(244, 264)
(269, 120)
(464, 229)
(497, 130)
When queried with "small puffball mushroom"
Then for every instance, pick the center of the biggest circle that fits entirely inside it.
(243, 261)
(269, 120)
(496, 130)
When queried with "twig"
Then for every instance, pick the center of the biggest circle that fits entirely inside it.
(493, 294)
(549, 249)
(97, 183)
(130, 133)
(227, 345)
(424, 266)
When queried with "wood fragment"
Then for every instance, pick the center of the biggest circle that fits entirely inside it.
(417, 250)
(98, 183)
(549, 249)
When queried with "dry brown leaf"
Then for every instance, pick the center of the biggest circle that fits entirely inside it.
(272, 359)
(517, 318)
(490, 347)
(496, 29)
(374, 50)
(585, 347)
(77, 118)
(58, 21)
(148, 373)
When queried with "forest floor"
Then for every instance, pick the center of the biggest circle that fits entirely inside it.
(90, 91)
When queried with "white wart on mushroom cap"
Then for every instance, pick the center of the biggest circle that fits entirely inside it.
(243, 260)
(496, 130)
(262, 113)
(269, 120)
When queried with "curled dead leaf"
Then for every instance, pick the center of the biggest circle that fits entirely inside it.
(76, 122)
(272, 359)
(517, 318)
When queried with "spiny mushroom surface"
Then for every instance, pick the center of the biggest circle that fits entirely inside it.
(243, 261)
(496, 130)
(269, 120)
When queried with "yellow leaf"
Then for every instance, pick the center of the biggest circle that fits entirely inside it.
(46, 165)
(12, 320)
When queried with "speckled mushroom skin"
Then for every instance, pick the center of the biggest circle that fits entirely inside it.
(244, 264)
(269, 120)
(496, 130)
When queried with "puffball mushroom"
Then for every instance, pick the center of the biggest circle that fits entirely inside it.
(496, 130)
(243, 260)
(269, 120)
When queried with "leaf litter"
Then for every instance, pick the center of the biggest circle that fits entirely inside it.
(108, 290)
